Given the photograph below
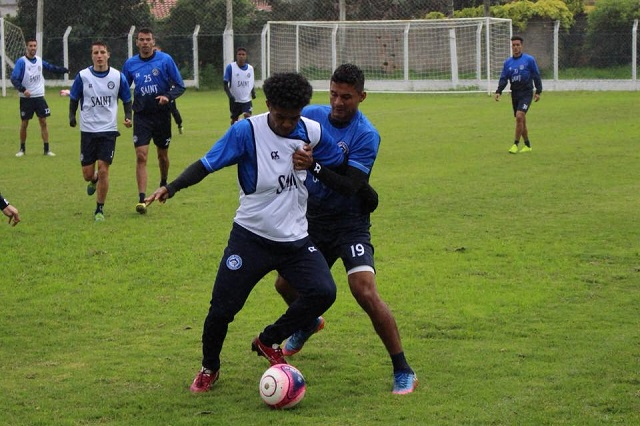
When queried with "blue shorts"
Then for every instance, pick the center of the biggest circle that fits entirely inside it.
(97, 146)
(351, 243)
(38, 105)
(156, 126)
(521, 101)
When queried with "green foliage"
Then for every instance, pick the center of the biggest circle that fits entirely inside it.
(609, 31)
(521, 11)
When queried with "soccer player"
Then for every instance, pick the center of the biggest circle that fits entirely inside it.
(270, 228)
(521, 71)
(339, 221)
(9, 211)
(27, 78)
(157, 82)
(238, 85)
(97, 89)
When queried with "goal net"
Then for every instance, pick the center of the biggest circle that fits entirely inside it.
(417, 55)
(12, 46)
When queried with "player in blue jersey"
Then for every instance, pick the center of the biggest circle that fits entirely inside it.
(157, 82)
(9, 211)
(238, 85)
(97, 89)
(521, 71)
(270, 228)
(28, 80)
(339, 221)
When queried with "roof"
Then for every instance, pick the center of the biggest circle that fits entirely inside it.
(161, 8)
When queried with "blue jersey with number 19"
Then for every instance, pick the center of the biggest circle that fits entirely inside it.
(273, 197)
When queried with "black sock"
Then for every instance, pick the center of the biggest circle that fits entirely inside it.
(163, 182)
(22, 147)
(516, 142)
(46, 147)
(399, 362)
(527, 143)
(142, 197)
(99, 207)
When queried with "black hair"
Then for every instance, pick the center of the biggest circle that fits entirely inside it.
(145, 30)
(349, 74)
(30, 39)
(241, 49)
(517, 37)
(100, 43)
(287, 90)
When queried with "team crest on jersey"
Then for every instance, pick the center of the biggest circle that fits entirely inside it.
(274, 155)
(344, 147)
(248, 75)
(155, 72)
(111, 85)
(521, 67)
(234, 262)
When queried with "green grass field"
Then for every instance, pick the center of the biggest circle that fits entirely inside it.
(513, 278)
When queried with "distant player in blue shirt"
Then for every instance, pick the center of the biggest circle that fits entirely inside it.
(96, 90)
(270, 227)
(157, 82)
(339, 217)
(521, 71)
(28, 80)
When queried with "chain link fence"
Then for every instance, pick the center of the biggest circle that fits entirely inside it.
(194, 33)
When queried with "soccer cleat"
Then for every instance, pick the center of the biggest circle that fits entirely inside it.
(294, 343)
(91, 188)
(180, 128)
(141, 208)
(513, 149)
(20, 153)
(204, 380)
(49, 154)
(99, 217)
(404, 382)
(526, 149)
(273, 353)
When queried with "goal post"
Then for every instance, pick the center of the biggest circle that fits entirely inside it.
(12, 47)
(440, 55)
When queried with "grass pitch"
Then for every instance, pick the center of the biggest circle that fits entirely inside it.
(513, 278)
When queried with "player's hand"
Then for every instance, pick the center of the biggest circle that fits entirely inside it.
(72, 121)
(127, 122)
(303, 157)
(12, 213)
(536, 97)
(497, 97)
(162, 99)
(253, 95)
(27, 93)
(161, 195)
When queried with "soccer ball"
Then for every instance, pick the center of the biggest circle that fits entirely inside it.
(282, 386)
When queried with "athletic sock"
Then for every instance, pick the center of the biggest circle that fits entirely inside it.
(527, 143)
(399, 362)
(46, 147)
(99, 207)
(516, 142)
(22, 147)
(141, 196)
(163, 182)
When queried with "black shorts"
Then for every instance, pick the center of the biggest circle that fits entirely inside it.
(30, 105)
(156, 126)
(97, 146)
(239, 108)
(351, 243)
(521, 101)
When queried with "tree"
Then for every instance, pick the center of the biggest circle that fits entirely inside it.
(609, 31)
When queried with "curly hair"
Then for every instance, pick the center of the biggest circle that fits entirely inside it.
(287, 90)
(349, 74)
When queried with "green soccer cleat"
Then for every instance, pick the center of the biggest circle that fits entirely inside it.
(91, 188)
(99, 217)
(513, 149)
(526, 149)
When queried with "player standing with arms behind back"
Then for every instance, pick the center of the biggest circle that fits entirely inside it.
(158, 82)
(339, 223)
(27, 78)
(521, 71)
(238, 85)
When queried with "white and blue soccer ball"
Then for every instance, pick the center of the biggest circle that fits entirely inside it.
(282, 386)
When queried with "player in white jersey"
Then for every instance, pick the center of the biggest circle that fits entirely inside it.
(97, 89)
(28, 80)
(238, 85)
(270, 227)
